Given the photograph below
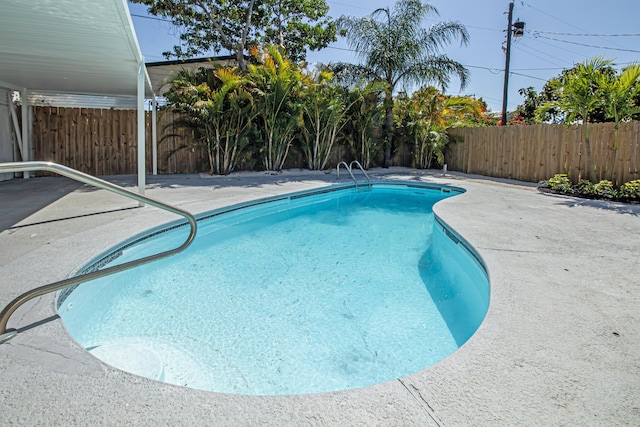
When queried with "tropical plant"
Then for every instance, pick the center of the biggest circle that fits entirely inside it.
(619, 96)
(237, 25)
(396, 49)
(322, 117)
(219, 111)
(363, 122)
(425, 117)
(559, 182)
(581, 95)
(630, 191)
(277, 85)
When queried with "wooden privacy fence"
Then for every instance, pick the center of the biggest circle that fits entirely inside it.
(535, 153)
(104, 142)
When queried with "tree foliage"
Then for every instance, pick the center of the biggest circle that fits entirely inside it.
(591, 91)
(218, 111)
(235, 26)
(424, 117)
(277, 85)
(394, 48)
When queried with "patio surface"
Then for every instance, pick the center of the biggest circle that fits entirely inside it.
(559, 345)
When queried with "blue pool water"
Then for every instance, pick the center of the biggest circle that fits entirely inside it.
(325, 291)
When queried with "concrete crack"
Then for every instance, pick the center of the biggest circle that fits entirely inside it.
(415, 393)
(72, 359)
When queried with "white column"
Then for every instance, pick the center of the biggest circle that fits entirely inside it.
(141, 133)
(26, 149)
(154, 134)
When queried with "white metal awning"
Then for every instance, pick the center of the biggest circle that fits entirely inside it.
(77, 46)
(72, 46)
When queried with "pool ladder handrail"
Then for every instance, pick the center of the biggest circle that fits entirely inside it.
(349, 168)
(6, 335)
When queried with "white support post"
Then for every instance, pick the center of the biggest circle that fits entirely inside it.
(16, 124)
(141, 132)
(154, 134)
(26, 149)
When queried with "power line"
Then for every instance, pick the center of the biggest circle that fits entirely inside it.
(151, 17)
(527, 75)
(585, 34)
(527, 49)
(558, 19)
(587, 45)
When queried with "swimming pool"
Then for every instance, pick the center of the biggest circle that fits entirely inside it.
(316, 291)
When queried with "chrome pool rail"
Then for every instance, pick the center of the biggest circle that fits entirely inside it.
(6, 313)
(349, 167)
(357, 163)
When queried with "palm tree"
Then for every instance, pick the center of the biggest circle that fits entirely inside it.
(619, 95)
(619, 101)
(217, 109)
(364, 119)
(277, 84)
(580, 96)
(425, 117)
(396, 49)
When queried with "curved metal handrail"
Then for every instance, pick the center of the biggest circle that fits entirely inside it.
(346, 166)
(362, 169)
(6, 313)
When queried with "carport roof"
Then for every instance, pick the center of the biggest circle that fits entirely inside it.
(69, 46)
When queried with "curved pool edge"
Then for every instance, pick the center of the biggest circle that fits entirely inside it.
(499, 377)
(446, 190)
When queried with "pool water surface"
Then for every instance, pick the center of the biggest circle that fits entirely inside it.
(315, 292)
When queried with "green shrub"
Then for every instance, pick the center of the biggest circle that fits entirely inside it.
(602, 190)
(586, 188)
(605, 189)
(559, 182)
(630, 190)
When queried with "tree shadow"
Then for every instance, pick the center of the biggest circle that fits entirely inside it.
(617, 207)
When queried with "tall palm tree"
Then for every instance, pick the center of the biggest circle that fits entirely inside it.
(396, 49)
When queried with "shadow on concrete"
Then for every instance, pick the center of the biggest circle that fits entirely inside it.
(21, 198)
(15, 227)
(38, 323)
(617, 207)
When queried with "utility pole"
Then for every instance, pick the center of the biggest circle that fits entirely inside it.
(517, 29)
(505, 90)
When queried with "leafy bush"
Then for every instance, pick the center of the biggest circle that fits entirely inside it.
(630, 191)
(560, 182)
(586, 188)
(604, 189)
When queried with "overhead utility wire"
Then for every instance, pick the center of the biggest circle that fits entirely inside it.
(587, 45)
(558, 19)
(585, 34)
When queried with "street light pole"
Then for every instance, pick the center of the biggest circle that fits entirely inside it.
(506, 68)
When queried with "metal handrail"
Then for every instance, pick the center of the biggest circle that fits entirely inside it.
(346, 166)
(362, 169)
(6, 313)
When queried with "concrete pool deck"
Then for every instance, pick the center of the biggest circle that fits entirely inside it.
(559, 345)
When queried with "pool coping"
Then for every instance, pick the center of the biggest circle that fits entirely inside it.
(570, 359)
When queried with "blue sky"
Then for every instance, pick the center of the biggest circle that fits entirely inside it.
(558, 34)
